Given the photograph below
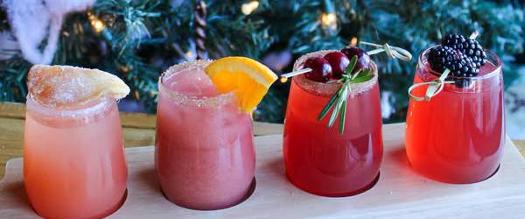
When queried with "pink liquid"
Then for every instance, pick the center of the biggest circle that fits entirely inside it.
(74, 166)
(320, 160)
(457, 136)
(205, 157)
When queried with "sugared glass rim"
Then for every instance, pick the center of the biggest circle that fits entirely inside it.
(91, 108)
(327, 89)
(491, 57)
(181, 98)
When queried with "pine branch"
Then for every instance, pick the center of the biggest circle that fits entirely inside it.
(143, 38)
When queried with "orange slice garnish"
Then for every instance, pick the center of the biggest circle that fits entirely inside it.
(247, 78)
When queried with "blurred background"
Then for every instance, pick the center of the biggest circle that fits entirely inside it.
(138, 40)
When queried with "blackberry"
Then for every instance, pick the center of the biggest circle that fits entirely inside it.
(464, 74)
(473, 49)
(454, 41)
(460, 65)
(443, 57)
(469, 47)
(467, 68)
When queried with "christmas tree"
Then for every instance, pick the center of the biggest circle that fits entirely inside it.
(138, 40)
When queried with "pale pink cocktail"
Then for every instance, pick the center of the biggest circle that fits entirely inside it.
(74, 164)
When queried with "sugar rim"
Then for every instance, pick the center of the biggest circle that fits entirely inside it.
(183, 99)
(85, 114)
(423, 63)
(327, 89)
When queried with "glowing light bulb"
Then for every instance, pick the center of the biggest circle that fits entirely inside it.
(189, 54)
(96, 23)
(353, 41)
(249, 7)
(329, 20)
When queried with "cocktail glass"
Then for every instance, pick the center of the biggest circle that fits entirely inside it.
(458, 135)
(319, 159)
(204, 153)
(74, 164)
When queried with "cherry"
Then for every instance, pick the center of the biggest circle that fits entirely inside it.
(363, 60)
(338, 61)
(321, 69)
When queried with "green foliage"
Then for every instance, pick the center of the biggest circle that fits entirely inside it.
(143, 38)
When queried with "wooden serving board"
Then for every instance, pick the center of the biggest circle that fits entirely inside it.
(399, 193)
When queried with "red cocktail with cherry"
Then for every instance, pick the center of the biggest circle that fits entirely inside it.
(344, 159)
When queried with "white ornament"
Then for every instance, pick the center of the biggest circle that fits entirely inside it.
(38, 22)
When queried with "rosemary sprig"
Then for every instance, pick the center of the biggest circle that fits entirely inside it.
(339, 100)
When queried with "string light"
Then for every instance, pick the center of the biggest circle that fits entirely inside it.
(124, 68)
(329, 20)
(353, 41)
(96, 23)
(328, 17)
(189, 54)
(249, 7)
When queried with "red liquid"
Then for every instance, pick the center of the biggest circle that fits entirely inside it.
(457, 136)
(319, 159)
(204, 154)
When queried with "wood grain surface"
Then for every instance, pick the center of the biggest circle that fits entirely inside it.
(399, 193)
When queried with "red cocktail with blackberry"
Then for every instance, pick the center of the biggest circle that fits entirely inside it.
(344, 159)
(457, 136)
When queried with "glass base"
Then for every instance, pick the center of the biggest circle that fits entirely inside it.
(103, 215)
(451, 180)
(251, 189)
(338, 195)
